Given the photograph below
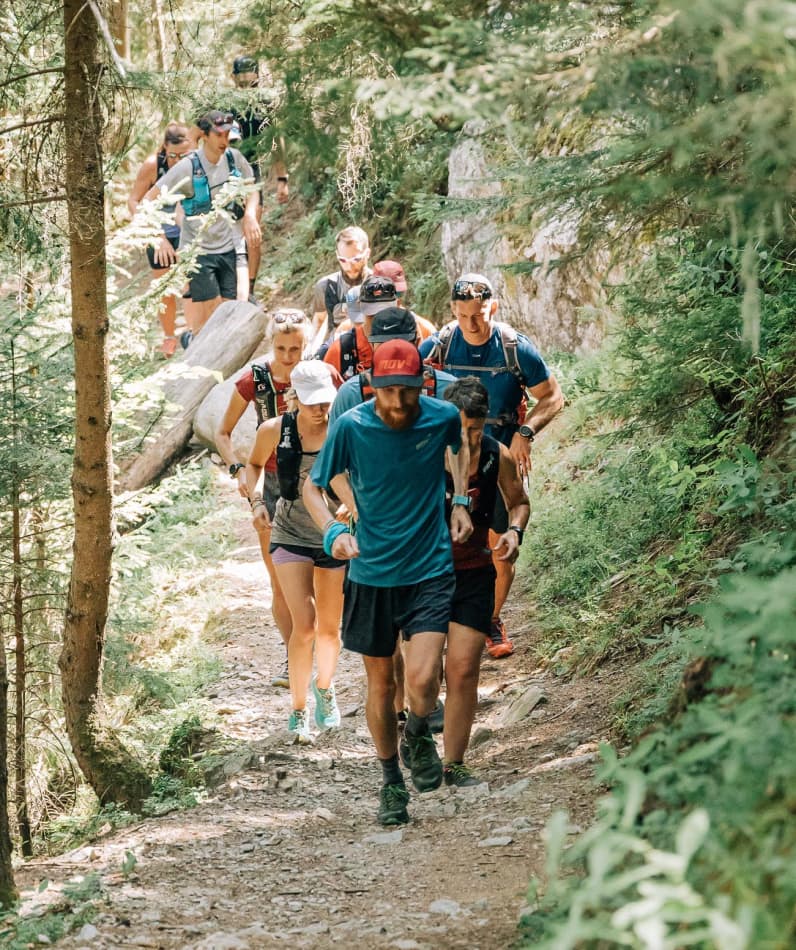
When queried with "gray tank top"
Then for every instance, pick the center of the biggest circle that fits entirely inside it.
(292, 523)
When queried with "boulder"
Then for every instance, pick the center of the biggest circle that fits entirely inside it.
(211, 412)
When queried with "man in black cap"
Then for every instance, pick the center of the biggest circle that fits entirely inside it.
(223, 272)
(253, 129)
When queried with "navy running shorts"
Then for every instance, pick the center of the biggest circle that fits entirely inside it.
(216, 277)
(474, 598)
(373, 617)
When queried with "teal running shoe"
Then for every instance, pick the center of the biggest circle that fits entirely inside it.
(327, 713)
(299, 724)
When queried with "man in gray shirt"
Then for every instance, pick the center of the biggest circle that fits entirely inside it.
(223, 270)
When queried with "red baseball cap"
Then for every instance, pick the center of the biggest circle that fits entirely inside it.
(394, 271)
(396, 363)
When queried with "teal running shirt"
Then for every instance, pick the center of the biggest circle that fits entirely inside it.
(398, 480)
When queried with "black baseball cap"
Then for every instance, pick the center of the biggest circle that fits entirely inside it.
(244, 64)
(394, 323)
(375, 294)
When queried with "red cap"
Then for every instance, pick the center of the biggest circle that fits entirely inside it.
(394, 271)
(396, 363)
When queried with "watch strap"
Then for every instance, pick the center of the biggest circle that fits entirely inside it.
(463, 500)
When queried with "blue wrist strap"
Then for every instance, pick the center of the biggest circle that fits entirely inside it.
(332, 533)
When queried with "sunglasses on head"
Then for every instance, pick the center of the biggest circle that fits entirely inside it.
(293, 317)
(352, 260)
(471, 290)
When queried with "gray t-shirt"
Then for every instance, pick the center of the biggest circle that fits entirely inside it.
(292, 523)
(220, 236)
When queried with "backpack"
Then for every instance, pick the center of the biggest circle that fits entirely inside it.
(288, 457)
(438, 357)
(349, 355)
(266, 394)
(366, 390)
(201, 202)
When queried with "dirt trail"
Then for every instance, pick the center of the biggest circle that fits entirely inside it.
(287, 852)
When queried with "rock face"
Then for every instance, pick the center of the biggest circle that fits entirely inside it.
(553, 306)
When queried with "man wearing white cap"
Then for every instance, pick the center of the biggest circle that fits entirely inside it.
(511, 369)
(391, 452)
(311, 580)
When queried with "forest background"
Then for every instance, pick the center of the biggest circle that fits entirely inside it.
(665, 532)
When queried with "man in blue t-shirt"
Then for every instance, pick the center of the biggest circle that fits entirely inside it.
(511, 369)
(390, 452)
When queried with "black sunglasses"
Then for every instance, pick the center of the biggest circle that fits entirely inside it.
(471, 290)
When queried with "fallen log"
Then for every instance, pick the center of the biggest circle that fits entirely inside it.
(211, 412)
(227, 341)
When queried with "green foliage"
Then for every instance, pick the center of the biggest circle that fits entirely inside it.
(170, 793)
(78, 904)
(183, 742)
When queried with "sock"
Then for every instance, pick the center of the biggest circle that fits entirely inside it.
(391, 771)
(252, 281)
(417, 725)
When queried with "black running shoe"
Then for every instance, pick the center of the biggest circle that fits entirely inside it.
(457, 773)
(393, 800)
(419, 755)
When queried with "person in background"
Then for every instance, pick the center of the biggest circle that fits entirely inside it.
(177, 143)
(393, 271)
(222, 266)
(253, 122)
(352, 246)
(512, 369)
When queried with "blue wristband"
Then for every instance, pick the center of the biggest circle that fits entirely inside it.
(335, 529)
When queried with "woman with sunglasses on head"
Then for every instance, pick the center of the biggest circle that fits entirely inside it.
(311, 580)
(265, 384)
(177, 143)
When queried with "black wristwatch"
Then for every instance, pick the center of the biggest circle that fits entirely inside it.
(526, 432)
(235, 468)
(520, 533)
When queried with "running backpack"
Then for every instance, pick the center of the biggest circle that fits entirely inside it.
(349, 355)
(288, 457)
(266, 394)
(202, 202)
(438, 357)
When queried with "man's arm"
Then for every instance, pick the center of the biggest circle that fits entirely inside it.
(458, 464)
(345, 545)
(549, 402)
(519, 510)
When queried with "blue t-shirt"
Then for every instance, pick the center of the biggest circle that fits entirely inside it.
(505, 390)
(350, 393)
(398, 479)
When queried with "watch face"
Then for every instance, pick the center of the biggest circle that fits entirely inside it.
(526, 432)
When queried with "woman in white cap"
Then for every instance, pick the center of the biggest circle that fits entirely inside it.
(311, 580)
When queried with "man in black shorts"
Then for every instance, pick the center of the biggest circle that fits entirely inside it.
(492, 472)
(393, 450)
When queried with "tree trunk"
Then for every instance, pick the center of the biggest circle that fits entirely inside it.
(20, 688)
(160, 34)
(107, 766)
(8, 891)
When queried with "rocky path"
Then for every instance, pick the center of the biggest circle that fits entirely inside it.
(286, 851)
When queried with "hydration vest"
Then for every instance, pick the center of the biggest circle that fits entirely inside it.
(349, 354)
(367, 391)
(288, 457)
(438, 357)
(266, 395)
(202, 202)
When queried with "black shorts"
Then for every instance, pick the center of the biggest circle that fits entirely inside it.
(374, 616)
(474, 598)
(150, 253)
(216, 277)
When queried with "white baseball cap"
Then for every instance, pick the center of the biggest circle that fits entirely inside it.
(312, 380)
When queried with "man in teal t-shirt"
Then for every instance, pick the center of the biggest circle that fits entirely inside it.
(393, 450)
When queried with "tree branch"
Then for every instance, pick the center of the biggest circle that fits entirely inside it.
(27, 125)
(32, 201)
(36, 72)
